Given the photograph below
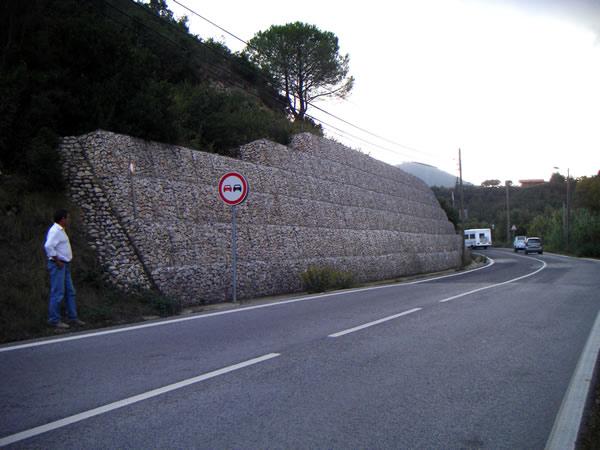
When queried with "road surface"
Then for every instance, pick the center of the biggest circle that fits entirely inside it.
(475, 360)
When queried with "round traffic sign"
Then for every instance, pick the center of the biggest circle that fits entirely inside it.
(233, 188)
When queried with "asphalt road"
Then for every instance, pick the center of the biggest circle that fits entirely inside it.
(477, 360)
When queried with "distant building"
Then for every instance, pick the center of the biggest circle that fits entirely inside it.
(529, 183)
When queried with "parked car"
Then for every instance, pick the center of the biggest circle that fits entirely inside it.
(534, 245)
(519, 243)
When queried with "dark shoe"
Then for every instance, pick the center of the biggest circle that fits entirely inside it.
(77, 322)
(59, 325)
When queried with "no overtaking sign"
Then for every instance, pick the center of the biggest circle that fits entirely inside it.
(233, 188)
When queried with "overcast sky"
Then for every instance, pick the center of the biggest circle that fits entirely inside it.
(514, 84)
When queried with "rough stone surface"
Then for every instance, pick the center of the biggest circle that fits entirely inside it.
(155, 218)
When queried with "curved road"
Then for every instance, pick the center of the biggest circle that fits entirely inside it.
(475, 360)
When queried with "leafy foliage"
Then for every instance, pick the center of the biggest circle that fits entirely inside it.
(304, 61)
(491, 183)
(587, 193)
(486, 206)
(68, 67)
(538, 211)
(163, 305)
(451, 212)
(43, 167)
(24, 219)
(585, 232)
(321, 279)
(548, 226)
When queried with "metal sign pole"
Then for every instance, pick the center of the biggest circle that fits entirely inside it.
(131, 173)
(234, 251)
(233, 190)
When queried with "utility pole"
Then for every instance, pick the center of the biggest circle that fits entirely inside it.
(568, 209)
(462, 195)
(507, 183)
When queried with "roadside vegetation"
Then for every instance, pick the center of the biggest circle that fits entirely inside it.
(321, 279)
(23, 277)
(539, 210)
(69, 67)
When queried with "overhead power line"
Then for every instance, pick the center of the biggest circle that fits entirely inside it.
(396, 152)
(217, 71)
(310, 103)
(211, 22)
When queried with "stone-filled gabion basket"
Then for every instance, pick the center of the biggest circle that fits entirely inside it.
(154, 216)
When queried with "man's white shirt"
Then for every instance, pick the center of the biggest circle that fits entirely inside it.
(57, 244)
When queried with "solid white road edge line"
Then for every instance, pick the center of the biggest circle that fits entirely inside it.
(497, 284)
(568, 420)
(231, 311)
(129, 401)
(376, 322)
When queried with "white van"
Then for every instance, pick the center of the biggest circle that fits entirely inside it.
(478, 237)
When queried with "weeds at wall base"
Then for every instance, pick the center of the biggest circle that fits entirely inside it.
(321, 279)
(25, 217)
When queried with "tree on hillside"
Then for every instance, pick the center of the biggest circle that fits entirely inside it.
(587, 193)
(160, 8)
(491, 183)
(304, 61)
(557, 178)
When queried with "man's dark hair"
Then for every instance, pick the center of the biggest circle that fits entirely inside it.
(60, 214)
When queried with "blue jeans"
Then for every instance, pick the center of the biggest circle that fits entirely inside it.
(61, 286)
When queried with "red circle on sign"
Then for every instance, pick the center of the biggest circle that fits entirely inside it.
(233, 188)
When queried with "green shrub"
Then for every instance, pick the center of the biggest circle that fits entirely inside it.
(585, 233)
(467, 257)
(24, 219)
(42, 162)
(320, 279)
(162, 304)
(451, 212)
(216, 120)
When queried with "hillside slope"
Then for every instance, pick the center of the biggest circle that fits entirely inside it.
(431, 175)
(69, 67)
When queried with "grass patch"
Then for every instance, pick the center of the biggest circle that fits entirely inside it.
(25, 217)
(321, 279)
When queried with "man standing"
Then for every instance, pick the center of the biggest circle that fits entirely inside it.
(58, 250)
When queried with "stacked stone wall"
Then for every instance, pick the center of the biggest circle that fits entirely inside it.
(312, 203)
(107, 236)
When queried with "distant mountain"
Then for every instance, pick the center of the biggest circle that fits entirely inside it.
(431, 175)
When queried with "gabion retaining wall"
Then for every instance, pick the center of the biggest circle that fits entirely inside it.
(155, 218)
